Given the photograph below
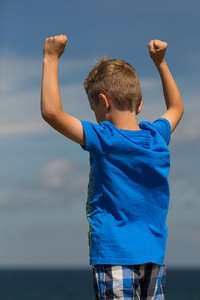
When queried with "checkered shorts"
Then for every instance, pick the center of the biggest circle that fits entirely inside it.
(138, 282)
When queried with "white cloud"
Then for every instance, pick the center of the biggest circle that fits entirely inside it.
(20, 101)
(59, 182)
(188, 130)
(154, 106)
(23, 128)
(68, 66)
(20, 113)
(20, 88)
(16, 72)
(43, 220)
(63, 174)
(150, 84)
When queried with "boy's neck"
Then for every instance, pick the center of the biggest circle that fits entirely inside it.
(124, 120)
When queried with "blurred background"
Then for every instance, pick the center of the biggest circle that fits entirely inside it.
(44, 176)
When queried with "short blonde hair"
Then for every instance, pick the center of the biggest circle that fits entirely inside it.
(116, 78)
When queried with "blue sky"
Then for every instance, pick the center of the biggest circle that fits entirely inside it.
(43, 176)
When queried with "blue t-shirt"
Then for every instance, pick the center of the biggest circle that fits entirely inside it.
(128, 192)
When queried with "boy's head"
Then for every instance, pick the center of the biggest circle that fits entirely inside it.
(117, 79)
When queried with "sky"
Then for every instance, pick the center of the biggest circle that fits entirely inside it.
(44, 176)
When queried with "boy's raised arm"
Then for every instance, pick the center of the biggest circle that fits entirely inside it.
(51, 105)
(171, 93)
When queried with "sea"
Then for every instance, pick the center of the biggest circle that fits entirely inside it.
(75, 284)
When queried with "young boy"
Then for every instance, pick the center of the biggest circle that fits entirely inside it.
(128, 192)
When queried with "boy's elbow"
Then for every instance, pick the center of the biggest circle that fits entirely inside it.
(181, 109)
(45, 116)
(48, 116)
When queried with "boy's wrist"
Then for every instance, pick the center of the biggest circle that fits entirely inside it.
(160, 64)
(50, 58)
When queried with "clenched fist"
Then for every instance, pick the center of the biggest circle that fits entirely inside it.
(157, 51)
(55, 46)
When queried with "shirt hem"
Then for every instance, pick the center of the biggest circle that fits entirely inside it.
(134, 261)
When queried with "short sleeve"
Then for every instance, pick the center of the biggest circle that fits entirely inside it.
(163, 127)
(97, 136)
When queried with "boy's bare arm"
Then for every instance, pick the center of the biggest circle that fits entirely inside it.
(51, 105)
(172, 96)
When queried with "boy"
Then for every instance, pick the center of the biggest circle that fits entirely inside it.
(128, 191)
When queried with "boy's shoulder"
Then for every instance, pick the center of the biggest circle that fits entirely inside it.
(97, 135)
(105, 134)
(161, 125)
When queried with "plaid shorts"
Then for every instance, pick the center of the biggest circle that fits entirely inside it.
(137, 282)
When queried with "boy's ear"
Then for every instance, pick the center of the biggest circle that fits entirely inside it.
(139, 108)
(105, 100)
